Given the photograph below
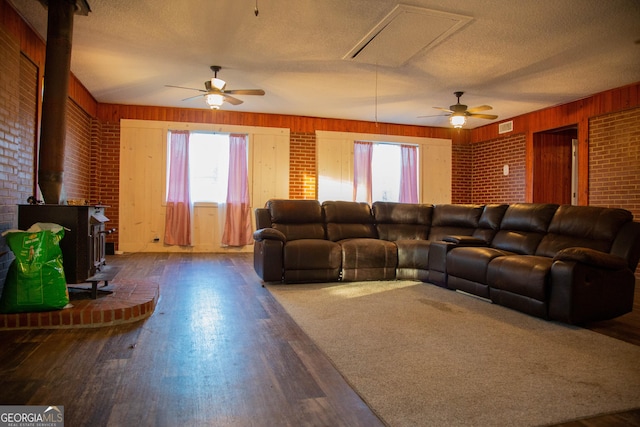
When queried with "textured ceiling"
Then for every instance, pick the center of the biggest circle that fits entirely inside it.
(517, 56)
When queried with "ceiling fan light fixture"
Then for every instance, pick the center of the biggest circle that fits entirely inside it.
(218, 83)
(214, 101)
(457, 120)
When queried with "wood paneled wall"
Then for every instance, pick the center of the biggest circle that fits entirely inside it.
(30, 44)
(576, 112)
(142, 184)
(113, 113)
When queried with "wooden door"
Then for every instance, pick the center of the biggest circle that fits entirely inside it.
(552, 167)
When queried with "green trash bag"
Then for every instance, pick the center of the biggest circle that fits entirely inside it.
(35, 280)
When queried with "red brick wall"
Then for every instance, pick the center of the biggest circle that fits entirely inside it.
(302, 172)
(77, 159)
(488, 183)
(614, 161)
(96, 150)
(461, 173)
(107, 172)
(18, 94)
(25, 185)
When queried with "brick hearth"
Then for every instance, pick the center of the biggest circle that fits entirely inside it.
(130, 301)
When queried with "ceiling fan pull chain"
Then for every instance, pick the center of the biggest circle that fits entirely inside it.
(256, 11)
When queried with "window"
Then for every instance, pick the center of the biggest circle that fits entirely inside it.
(386, 173)
(208, 166)
(385, 168)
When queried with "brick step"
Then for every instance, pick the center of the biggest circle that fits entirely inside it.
(128, 301)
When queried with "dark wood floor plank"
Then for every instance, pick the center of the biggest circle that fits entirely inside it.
(218, 350)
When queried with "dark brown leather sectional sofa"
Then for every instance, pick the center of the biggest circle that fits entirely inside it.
(568, 263)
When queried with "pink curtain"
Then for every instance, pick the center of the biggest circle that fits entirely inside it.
(362, 158)
(409, 174)
(177, 228)
(237, 226)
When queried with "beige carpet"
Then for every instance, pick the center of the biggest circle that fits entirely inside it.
(420, 355)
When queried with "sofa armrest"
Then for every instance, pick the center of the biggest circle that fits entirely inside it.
(592, 258)
(268, 259)
(465, 240)
(589, 286)
(269, 234)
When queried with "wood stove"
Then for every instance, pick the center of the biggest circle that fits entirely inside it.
(84, 241)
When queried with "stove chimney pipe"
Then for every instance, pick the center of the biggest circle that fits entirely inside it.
(56, 92)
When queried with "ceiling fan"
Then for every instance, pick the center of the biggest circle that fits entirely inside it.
(215, 94)
(458, 113)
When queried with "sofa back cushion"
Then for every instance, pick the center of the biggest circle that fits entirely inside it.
(523, 226)
(263, 218)
(454, 220)
(297, 219)
(489, 222)
(627, 244)
(348, 220)
(402, 221)
(583, 226)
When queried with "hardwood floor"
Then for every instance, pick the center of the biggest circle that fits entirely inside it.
(218, 351)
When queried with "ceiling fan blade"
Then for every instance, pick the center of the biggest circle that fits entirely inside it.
(480, 108)
(483, 116)
(193, 97)
(232, 100)
(432, 115)
(444, 109)
(182, 87)
(244, 92)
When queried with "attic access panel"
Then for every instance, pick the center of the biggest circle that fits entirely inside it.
(404, 32)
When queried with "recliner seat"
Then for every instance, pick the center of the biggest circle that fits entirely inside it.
(522, 228)
(526, 283)
(294, 247)
(364, 255)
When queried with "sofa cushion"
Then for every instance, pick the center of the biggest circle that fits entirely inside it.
(294, 211)
(301, 231)
(308, 254)
(402, 221)
(583, 226)
(297, 219)
(454, 220)
(526, 275)
(413, 254)
(521, 282)
(523, 227)
(348, 220)
(489, 222)
(311, 260)
(471, 263)
(263, 218)
(368, 259)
